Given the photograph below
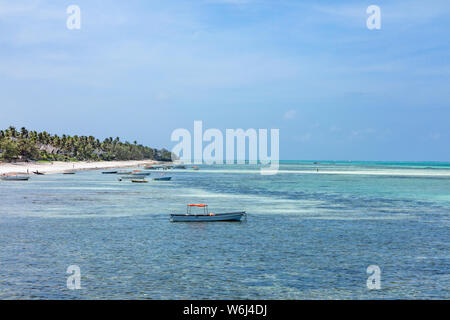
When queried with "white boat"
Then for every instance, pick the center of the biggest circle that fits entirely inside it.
(131, 177)
(137, 174)
(206, 216)
(14, 177)
(144, 174)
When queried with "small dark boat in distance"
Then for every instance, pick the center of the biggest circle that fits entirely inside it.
(162, 179)
(131, 177)
(68, 172)
(110, 172)
(206, 216)
(14, 177)
(140, 174)
(38, 173)
(139, 181)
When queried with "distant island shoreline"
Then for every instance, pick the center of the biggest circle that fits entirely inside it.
(24, 145)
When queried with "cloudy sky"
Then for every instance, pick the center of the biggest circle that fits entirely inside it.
(140, 69)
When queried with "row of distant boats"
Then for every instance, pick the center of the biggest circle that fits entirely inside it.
(190, 216)
(168, 167)
(137, 176)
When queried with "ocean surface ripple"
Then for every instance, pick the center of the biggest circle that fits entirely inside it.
(312, 231)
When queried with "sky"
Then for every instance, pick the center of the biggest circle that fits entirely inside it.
(312, 69)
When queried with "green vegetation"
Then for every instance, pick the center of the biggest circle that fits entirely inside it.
(41, 146)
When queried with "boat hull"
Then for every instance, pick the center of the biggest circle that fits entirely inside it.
(162, 179)
(232, 216)
(15, 178)
(132, 177)
(139, 181)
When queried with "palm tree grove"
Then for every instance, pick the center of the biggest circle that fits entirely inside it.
(25, 145)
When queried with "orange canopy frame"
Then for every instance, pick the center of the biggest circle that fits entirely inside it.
(200, 205)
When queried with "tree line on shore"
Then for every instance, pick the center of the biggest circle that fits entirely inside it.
(32, 145)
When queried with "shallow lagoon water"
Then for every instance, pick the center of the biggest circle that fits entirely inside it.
(308, 235)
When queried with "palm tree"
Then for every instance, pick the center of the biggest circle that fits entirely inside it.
(80, 147)
(13, 131)
(23, 133)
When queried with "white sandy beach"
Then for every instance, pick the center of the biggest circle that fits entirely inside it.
(60, 166)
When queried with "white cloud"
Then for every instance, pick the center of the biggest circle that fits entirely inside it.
(435, 136)
(14, 9)
(361, 134)
(304, 137)
(335, 129)
(290, 114)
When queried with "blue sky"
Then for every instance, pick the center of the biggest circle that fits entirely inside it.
(140, 69)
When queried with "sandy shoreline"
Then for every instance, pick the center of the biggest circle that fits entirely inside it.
(60, 166)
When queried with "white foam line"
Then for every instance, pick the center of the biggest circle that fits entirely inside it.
(406, 172)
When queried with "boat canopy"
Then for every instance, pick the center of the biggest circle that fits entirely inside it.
(199, 205)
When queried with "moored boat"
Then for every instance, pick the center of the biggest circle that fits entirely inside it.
(206, 216)
(159, 167)
(162, 179)
(110, 172)
(139, 181)
(14, 177)
(124, 172)
(38, 173)
(131, 177)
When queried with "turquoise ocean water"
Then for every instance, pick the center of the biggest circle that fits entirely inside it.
(312, 230)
